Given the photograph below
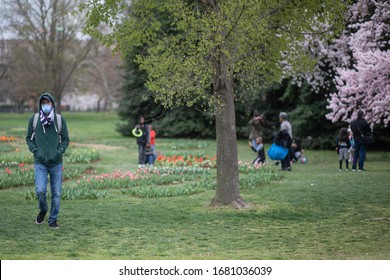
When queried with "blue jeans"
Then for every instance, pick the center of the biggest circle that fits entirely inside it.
(141, 154)
(153, 157)
(41, 179)
(360, 153)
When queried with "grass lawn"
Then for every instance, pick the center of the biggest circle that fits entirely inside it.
(314, 212)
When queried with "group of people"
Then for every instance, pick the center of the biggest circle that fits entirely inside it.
(350, 145)
(146, 141)
(283, 138)
(47, 138)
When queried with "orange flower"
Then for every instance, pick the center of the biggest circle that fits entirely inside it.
(7, 138)
(160, 158)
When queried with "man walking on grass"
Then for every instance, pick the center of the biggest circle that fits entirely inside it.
(47, 138)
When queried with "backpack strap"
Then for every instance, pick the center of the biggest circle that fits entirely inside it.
(59, 126)
(35, 121)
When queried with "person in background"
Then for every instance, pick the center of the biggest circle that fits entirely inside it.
(342, 145)
(152, 137)
(260, 150)
(296, 150)
(48, 143)
(142, 133)
(351, 150)
(285, 134)
(359, 128)
(149, 158)
(256, 128)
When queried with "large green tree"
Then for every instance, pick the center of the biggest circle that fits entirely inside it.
(216, 45)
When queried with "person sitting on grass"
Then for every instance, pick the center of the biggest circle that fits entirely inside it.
(260, 150)
(296, 150)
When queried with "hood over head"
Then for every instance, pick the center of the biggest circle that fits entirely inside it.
(48, 96)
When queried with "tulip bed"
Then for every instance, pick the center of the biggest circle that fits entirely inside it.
(182, 170)
(168, 179)
(17, 169)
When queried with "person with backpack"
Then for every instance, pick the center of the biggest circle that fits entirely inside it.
(47, 138)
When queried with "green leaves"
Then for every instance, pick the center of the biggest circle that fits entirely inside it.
(83, 156)
(258, 42)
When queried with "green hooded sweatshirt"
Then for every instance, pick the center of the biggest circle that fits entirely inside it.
(45, 145)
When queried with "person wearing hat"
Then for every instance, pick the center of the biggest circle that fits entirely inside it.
(48, 141)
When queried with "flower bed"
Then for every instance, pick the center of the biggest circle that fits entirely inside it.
(186, 160)
(82, 156)
(16, 157)
(176, 180)
(142, 177)
(23, 175)
(71, 156)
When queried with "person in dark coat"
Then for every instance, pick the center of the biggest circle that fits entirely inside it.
(48, 142)
(141, 131)
(359, 128)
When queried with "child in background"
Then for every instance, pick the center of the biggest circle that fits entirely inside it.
(149, 158)
(296, 150)
(260, 150)
(152, 135)
(342, 146)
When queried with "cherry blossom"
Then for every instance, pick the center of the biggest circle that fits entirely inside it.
(358, 64)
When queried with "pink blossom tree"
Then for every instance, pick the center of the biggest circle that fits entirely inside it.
(359, 64)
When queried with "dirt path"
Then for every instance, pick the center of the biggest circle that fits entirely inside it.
(98, 146)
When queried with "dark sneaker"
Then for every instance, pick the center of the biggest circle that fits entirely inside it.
(54, 225)
(41, 216)
(285, 169)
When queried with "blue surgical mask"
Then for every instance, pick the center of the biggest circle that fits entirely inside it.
(46, 108)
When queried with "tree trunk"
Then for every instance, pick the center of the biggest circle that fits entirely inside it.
(228, 188)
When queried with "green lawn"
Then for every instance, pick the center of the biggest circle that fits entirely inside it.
(314, 212)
